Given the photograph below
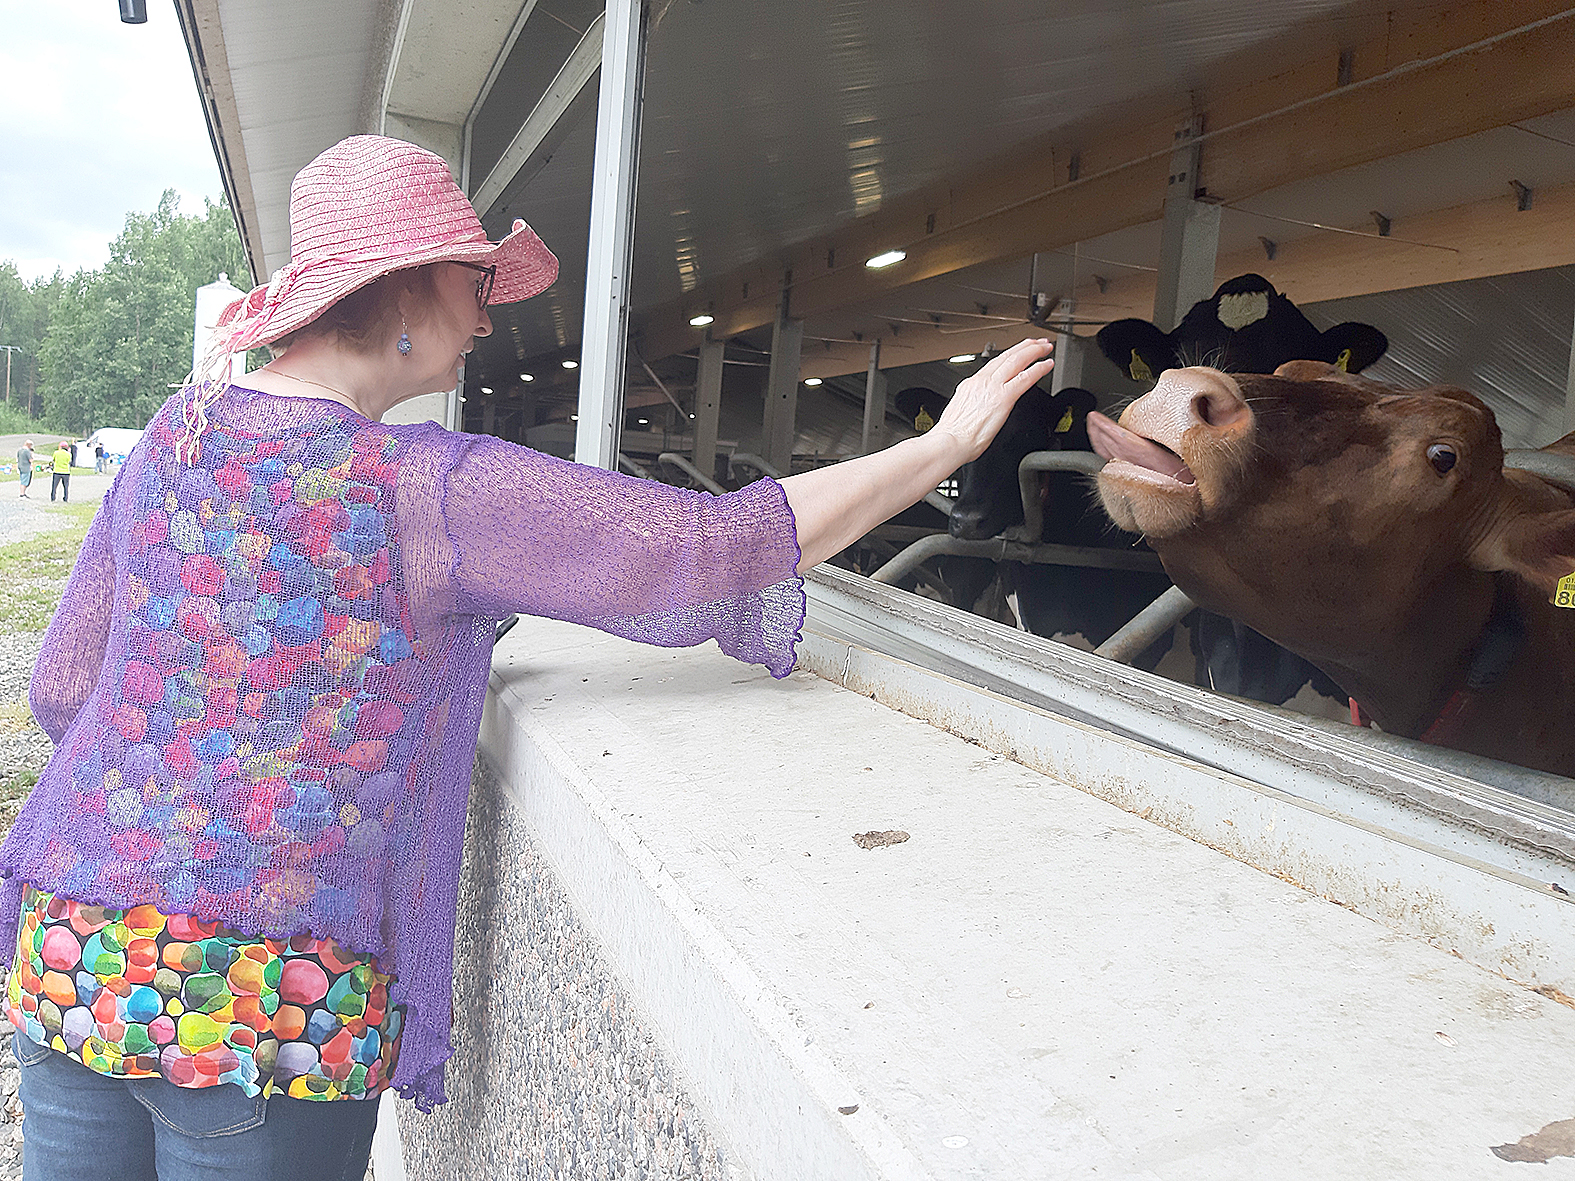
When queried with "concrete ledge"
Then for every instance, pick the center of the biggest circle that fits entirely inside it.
(1036, 984)
(1452, 886)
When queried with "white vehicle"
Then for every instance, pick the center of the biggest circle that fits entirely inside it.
(117, 441)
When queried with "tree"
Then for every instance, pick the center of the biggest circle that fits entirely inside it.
(25, 313)
(120, 337)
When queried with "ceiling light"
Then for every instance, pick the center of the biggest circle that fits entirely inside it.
(571, 364)
(527, 377)
(643, 421)
(886, 260)
(486, 389)
(701, 320)
(812, 381)
(574, 418)
(961, 358)
(691, 416)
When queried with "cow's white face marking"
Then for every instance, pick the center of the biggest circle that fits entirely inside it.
(1237, 311)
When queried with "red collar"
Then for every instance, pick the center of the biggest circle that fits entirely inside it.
(1496, 648)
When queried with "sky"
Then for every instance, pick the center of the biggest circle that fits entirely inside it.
(97, 119)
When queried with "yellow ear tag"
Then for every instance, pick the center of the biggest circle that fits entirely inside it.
(1138, 369)
(922, 421)
(1564, 593)
(1066, 422)
(1343, 361)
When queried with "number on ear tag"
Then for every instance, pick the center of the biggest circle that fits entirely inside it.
(1564, 593)
(1066, 422)
(1139, 369)
(922, 421)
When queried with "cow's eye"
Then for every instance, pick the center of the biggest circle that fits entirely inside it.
(1442, 457)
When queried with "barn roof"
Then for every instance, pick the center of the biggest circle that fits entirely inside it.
(1004, 145)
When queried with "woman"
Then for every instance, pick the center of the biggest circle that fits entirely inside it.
(236, 879)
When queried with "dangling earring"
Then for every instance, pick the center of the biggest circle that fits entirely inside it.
(404, 340)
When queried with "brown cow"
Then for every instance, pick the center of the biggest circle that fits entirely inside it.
(1373, 531)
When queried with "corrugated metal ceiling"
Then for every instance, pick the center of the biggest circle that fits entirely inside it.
(1506, 339)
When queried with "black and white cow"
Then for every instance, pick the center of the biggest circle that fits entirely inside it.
(1245, 327)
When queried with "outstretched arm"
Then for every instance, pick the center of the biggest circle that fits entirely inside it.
(835, 506)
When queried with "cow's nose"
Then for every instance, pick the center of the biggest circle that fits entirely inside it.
(1218, 405)
(966, 523)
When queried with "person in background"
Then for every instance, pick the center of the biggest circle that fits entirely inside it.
(24, 466)
(229, 903)
(61, 467)
(73, 449)
(99, 459)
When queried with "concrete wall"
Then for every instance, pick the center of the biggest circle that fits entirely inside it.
(555, 1076)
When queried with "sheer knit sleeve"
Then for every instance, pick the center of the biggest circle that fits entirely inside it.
(73, 650)
(636, 558)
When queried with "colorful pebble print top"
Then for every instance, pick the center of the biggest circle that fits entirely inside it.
(265, 677)
(137, 994)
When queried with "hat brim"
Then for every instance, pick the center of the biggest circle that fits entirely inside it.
(525, 268)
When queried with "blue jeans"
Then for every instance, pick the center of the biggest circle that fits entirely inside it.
(82, 1126)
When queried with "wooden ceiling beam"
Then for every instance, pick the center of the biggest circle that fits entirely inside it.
(1418, 80)
(1472, 241)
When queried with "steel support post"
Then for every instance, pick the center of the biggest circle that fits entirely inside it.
(489, 415)
(787, 342)
(1189, 234)
(1569, 390)
(708, 403)
(873, 437)
(605, 337)
(1069, 352)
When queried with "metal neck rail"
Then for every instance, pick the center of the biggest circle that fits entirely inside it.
(750, 460)
(676, 460)
(1021, 544)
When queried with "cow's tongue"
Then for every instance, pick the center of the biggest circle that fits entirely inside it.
(1111, 440)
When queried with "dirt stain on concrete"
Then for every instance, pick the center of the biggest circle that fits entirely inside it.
(1557, 1139)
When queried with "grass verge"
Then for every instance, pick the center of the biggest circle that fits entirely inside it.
(33, 572)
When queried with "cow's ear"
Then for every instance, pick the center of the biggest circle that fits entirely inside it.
(1352, 347)
(920, 406)
(1324, 371)
(1069, 408)
(1137, 348)
(1533, 538)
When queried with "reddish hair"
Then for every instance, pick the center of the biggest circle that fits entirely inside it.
(364, 320)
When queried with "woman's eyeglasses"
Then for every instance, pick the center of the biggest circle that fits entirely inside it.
(483, 284)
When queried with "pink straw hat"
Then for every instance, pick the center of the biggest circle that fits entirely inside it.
(368, 206)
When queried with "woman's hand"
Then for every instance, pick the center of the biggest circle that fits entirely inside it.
(835, 506)
(979, 408)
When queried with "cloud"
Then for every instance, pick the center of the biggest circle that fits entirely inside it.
(97, 119)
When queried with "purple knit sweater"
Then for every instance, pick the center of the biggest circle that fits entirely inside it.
(265, 678)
